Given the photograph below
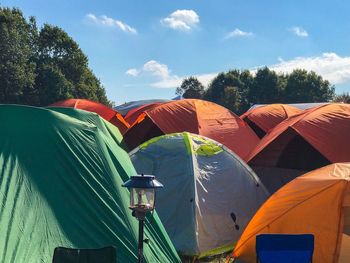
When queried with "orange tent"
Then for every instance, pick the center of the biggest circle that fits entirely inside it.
(195, 116)
(107, 113)
(306, 141)
(263, 118)
(133, 114)
(317, 203)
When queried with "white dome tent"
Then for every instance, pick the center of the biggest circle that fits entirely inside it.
(206, 187)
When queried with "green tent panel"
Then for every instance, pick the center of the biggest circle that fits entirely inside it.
(93, 118)
(205, 185)
(60, 185)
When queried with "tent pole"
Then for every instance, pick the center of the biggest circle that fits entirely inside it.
(140, 246)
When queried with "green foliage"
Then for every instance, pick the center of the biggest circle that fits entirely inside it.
(17, 71)
(267, 86)
(41, 66)
(190, 88)
(303, 86)
(239, 90)
(230, 89)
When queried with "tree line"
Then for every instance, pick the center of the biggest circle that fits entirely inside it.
(39, 66)
(238, 90)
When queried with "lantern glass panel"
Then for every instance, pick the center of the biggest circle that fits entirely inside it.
(142, 199)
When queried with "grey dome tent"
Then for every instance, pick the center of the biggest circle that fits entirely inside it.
(206, 187)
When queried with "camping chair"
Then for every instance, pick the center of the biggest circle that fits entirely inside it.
(86, 255)
(275, 248)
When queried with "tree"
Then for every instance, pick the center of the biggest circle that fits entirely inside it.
(303, 86)
(190, 88)
(62, 55)
(344, 98)
(267, 87)
(233, 98)
(230, 89)
(39, 67)
(17, 71)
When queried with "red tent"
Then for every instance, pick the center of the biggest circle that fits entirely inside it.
(195, 116)
(105, 112)
(263, 118)
(133, 114)
(311, 139)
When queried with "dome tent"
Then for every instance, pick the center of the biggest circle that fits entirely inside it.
(314, 138)
(105, 112)
(195, 116)
(205, 181)
(263, 118)
(61, 186)
(317, 203)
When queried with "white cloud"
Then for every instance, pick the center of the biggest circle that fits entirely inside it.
(110, 22)
(153, 68)
(182, 20)
(238, 33)
(330, 66)
(132, 72)
(156, 69)
(164, 77)
(298, 31)
(176, 81)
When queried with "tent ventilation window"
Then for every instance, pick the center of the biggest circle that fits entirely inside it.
(234, 218)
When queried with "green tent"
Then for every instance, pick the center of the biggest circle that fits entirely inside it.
(60, 185)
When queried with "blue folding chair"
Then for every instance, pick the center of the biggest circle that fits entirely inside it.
(279, 248)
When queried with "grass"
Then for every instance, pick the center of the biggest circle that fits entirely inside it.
(214, 259)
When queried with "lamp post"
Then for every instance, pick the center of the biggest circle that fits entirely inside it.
(142, 200)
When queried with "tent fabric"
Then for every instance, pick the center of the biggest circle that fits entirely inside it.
(92, 118)
(128, 106)
(108, 114)
(268, 116)
(194, 116)
(317, 203)
(61, 186)
(204, 183)
(326, 128)
(133, 114)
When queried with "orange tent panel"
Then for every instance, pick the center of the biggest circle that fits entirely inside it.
(268, 116)
(326, 128)
(105, 112)
(133, 114)
(195, 116)
(313, 203)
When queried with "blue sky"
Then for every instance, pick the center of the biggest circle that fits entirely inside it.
(143, 49)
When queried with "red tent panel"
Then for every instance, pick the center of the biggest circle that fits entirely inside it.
(105, 112)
